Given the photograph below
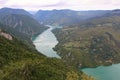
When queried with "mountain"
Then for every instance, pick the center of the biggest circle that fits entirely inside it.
(21, 21)
(65, 17)
(91, 43)
(112, 18)
(7, 11)
(19, 62)
(23, 24)
(20, 24)
(21, 36)
(114, 12)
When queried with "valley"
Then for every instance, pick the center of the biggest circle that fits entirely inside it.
(59, 44)
(19, 60)
(45, 43)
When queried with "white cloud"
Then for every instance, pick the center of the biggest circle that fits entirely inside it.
(32, 2)
(61, 4)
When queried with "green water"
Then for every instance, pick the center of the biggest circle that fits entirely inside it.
(45, 43)
(104, 72)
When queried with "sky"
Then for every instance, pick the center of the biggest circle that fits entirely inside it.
(34, 5)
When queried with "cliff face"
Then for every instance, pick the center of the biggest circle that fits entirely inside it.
(21, 21)
(23, 24)
(20, 24)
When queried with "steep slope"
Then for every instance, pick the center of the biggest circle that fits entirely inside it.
(91, 43)
(21, 36)
(15, 33)
(19, 62)
(23, 24)
(64, 17)
(21, 21)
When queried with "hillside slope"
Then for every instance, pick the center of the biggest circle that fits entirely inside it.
(21, 21)
(19, 62)
(23, 24)
(91, 43)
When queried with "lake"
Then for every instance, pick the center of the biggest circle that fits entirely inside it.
(45, 43)
(104, 72)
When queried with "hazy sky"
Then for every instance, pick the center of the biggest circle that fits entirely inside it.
(61, 4)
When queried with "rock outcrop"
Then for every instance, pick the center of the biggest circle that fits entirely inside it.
(8, 36)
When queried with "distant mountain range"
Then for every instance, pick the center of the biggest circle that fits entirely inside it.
(112, 18)
(66, 17)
